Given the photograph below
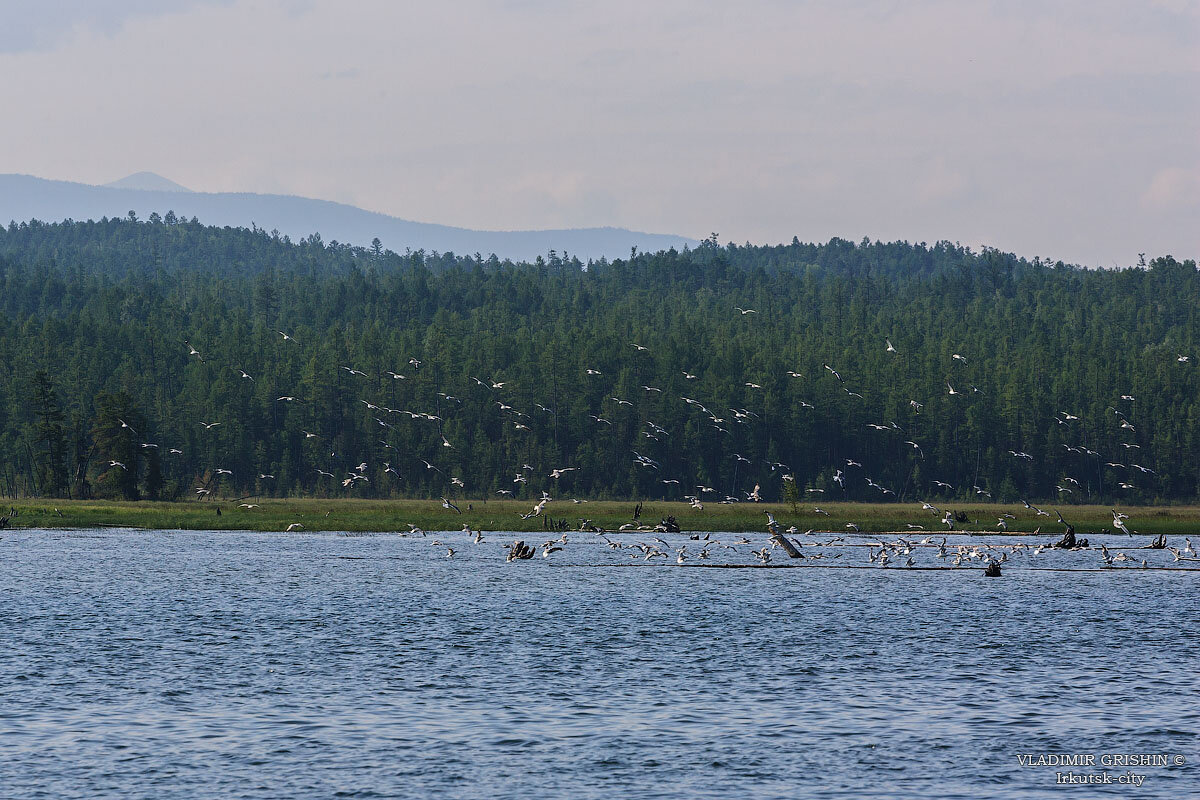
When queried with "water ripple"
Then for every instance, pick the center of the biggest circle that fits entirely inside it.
(147, 665)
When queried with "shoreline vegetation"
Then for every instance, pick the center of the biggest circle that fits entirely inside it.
(383, 516)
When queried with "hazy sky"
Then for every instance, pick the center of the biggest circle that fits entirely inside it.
(1061, 129)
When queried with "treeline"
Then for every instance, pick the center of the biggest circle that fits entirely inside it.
(102, 395)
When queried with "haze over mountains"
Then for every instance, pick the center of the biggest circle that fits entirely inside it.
(25, 197)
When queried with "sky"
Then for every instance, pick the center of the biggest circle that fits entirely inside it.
(1065, 129)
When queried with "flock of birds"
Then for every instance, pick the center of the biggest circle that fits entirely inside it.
(719, 420)
(811, 550)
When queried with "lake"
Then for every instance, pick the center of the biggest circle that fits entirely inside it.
(139, 664)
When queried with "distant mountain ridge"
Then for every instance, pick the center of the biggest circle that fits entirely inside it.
(147, 182)
(26, 197)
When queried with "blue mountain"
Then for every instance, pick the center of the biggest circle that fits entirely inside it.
(25, 197)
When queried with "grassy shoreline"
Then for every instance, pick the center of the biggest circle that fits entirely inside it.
(505, 515)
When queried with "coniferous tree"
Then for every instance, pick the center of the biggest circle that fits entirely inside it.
(116, 435)
(50, 437)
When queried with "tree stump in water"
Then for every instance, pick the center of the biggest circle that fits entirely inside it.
(1067, 542)
(520, 550)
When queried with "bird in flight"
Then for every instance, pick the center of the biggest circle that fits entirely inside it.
(744, 311)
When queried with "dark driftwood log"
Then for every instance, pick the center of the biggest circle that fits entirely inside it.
(787, 545)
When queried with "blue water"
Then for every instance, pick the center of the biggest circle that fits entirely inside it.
(219, 665)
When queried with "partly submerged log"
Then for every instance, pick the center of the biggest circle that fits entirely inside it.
(785, 543)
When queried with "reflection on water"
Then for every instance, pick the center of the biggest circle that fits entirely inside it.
(206, 664)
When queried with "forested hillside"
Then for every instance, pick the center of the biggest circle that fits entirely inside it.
(150, 359)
